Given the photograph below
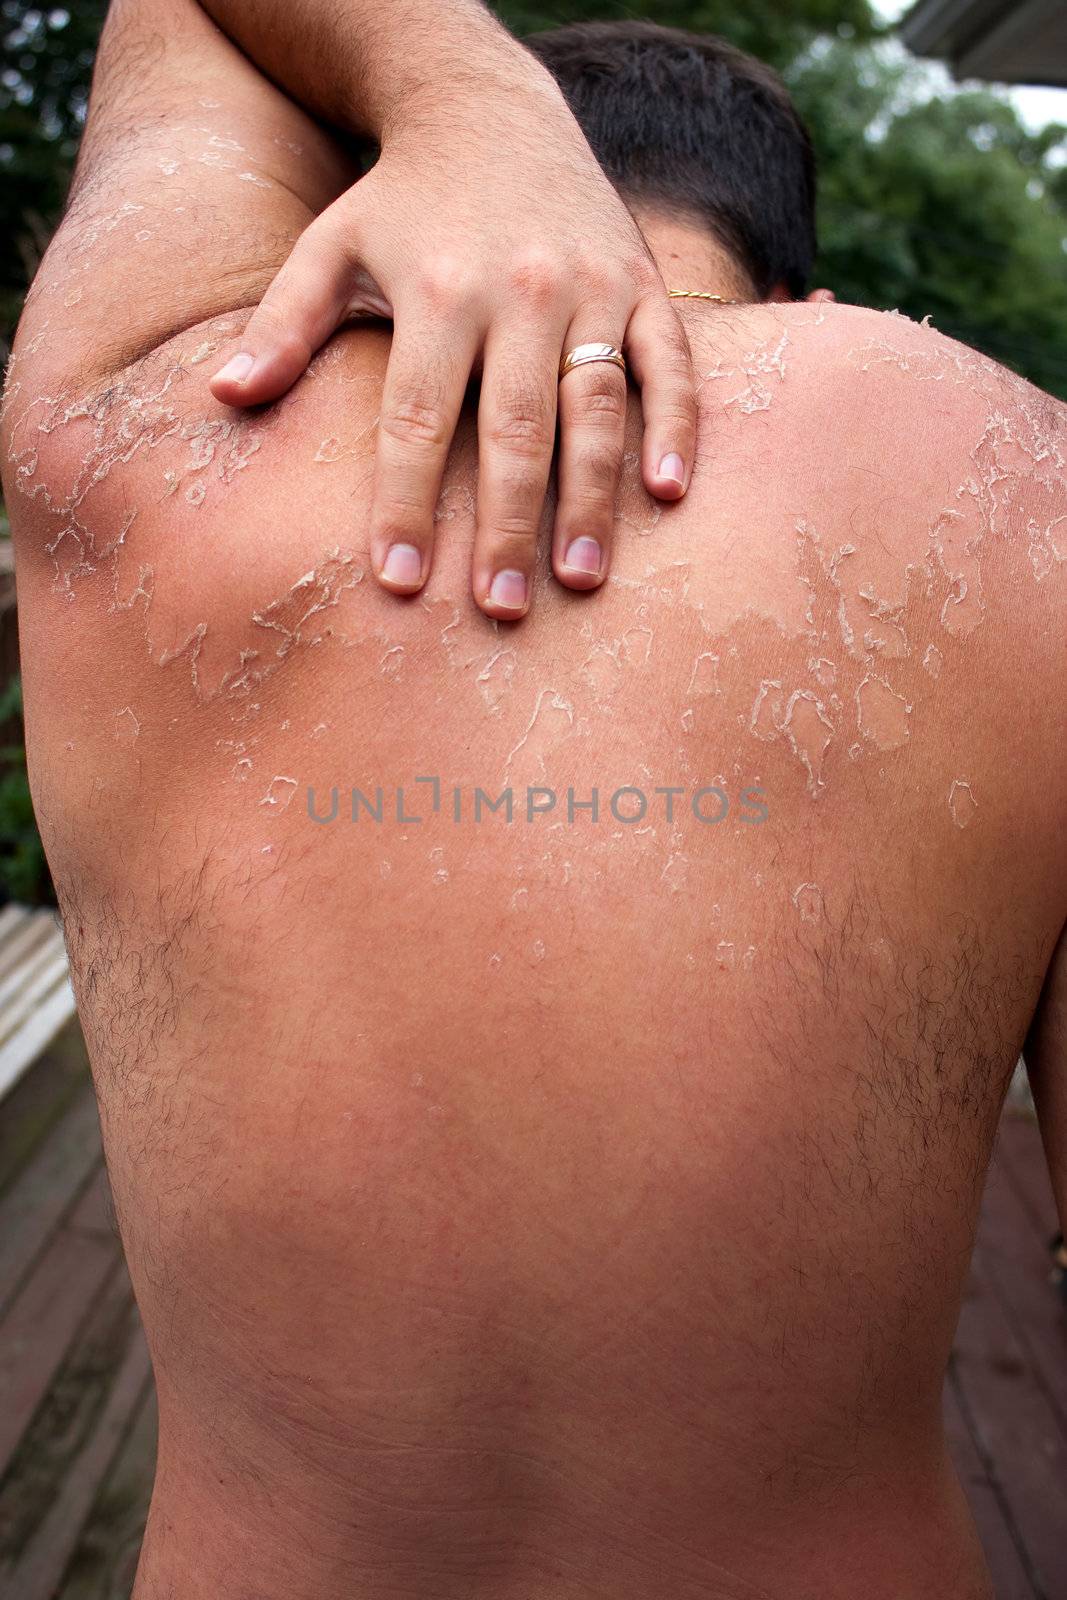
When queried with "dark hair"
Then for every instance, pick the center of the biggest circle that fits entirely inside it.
(687, 121)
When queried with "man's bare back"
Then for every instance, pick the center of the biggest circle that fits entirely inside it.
(576, 1204)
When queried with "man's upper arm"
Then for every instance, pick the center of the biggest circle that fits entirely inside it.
(124, 478)
(195, 178)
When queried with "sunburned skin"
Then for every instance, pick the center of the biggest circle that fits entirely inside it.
(575, 1205)
(861, 608)
(772, 639)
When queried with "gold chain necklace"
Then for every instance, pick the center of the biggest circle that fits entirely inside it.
(700, 294)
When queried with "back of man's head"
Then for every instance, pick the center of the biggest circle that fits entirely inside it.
(687, 125)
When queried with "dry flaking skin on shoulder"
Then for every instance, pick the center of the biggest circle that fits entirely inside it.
(147, 463)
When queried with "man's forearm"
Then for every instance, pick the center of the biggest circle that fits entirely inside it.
(369, 67)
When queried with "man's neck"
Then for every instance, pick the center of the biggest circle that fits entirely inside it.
(688, 257)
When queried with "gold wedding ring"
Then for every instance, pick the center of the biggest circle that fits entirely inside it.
(583, 353)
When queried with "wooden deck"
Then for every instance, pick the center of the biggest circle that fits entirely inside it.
(77, 1409)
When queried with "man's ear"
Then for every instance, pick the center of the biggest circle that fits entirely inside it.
(780, 293)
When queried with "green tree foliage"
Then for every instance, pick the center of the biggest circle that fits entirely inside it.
(774, 30)
(46, 56)
(24, 872)
(940, 205)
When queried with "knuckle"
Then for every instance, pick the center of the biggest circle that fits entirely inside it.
(535, 275)
(398, 520)
(519, 493)
(587, 514)
(597, 468)
(415, 424)
(445, 280)
(286, 340)
(673, 388)
(677, 361)
(521, 429)
(322, 238)
(676, 412)
(511, 540)
(674, 343)
(645, 275)
(598, 280)
(603, 401)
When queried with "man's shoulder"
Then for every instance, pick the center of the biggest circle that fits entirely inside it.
(888, 411)
(862, 355)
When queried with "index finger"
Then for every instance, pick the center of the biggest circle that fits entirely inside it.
(300, 310)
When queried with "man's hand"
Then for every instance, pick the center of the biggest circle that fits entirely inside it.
(490, 235)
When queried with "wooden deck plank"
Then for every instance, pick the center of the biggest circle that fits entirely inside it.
(10, 917)
(62, 1423)
(34, 929)
(46, 952)
(37, 1032)
(35, 1105)
(36, 1202)
(1015, 1430)
(1011, 1581)
(36, 998)
(1020, 1154)
(1018, 1267)
(93, 1212)
(37, 979)
(41, 1323)
(39, 1570)
(104, 1563)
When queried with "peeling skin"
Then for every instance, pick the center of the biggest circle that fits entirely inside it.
(552, 717)
(841, 608)
(495, 679)
(1048, 546)
(675, 873)
(280, 794)
(810, 731)
(961, 803)
(635, 649)
(882, 715)
(955, 543)
(637, 511)
(705, 678)
(808, 900)
(933, 661)
(602, 670)
(127, 725)
(753, 380)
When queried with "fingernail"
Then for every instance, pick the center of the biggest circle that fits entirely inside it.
(402, 565)
(237, 368)
(509, 590)
(583, 555)
(673, 466)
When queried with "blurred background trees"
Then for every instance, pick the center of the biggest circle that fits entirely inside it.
(933, 201)
(46, 58)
